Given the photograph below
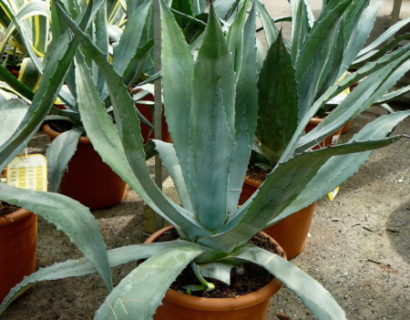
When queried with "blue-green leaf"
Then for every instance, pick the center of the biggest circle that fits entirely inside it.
(59, 154)
(68, 215)
(139, 294)
(316, 298)
(213, 125)
(82, 267)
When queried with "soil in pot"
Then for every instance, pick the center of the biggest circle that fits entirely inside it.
(291, 232)
(18, 238)
(88, 179)
(247, 297)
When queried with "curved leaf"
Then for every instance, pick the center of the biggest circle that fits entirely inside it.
(139, 294)
(11, 113)
(59, 154)
(60, 54)
(339, 168)
(82, 267)
(69, 216)
(279, 190)
(316, 298)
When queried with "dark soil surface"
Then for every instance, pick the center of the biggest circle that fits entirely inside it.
(59, 125)
(244, 279)
(6, 208)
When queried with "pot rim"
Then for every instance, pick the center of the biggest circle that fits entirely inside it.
(14, 217)
(54, 134)
(221, 304)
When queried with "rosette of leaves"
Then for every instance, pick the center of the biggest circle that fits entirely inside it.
(211, 105)
(309, 67)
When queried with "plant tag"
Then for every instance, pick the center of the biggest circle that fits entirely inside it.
(28, 172)
(332, 195)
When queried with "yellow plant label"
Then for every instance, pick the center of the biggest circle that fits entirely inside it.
(28, 172)
(332, 195)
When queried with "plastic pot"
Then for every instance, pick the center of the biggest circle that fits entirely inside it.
(291, 232)
(18, 238)
(88, 179)
(180, 306)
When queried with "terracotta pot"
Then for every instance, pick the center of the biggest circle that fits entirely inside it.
(18, 237)
(88, 179)
(147, 111)
(291, 232)
(331, 140)
(179, 306)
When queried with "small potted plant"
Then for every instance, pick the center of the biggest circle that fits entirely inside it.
(292, 82)
(212, 129)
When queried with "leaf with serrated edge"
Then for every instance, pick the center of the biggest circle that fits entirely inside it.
(316, 298)
(339, 168)
(68, 215)
(212, 129)
(82, 267)
(139, 294)
(59, 154)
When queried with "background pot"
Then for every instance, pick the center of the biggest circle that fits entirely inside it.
(88, 179)
(291, 232)
(18, 238)
(179, 306)
(147, 111)
(331, 140)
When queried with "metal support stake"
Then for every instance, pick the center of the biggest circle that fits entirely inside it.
(152, 221)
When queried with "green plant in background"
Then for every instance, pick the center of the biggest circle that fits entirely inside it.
(313, 61)
(127, 49)
(211, 107)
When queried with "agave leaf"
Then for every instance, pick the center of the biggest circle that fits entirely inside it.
(69, 216)
(11, 113)
(312, 65)
(11, 80)
(213, 125)
(350, 79)
(82, 267)
(217, 270)
(235, 35)
(364, 95)
(301, 25)
(279, 190)
(375, 54)
(61, 52)
(29, 74)
(278, 101)
(100, 36)
(223, 8)
(137, 64)
(177, 72)
(171, 163)
(246, 106)
(271, 31)
(20, 23)
(59, 154)
(142, 290)
(357, 36)
(316, 298)
(339, 168)
(130, 40)
(393, 94)
(106, 140)
(385, 36)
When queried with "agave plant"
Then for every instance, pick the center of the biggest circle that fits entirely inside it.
(211, 107)
(127, 49)
(309, 75)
